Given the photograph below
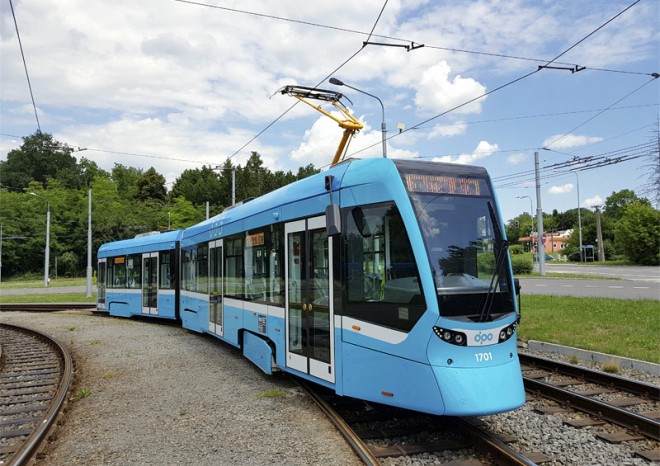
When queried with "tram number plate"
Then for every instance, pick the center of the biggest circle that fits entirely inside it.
(261, 324)
(483, 357)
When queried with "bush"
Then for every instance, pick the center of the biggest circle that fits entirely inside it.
(516, 249)
(521, 265)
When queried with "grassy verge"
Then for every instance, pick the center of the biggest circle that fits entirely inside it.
(48, 298)
(54, 282)
(626, 328)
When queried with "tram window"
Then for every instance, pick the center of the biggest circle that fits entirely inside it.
(276, 265)
(109, 273)
(166, 270)
(263, 265)
(202, 266)
(381, 276)
(134, 270)
(186, 269)
(118, 278)
(234, 276)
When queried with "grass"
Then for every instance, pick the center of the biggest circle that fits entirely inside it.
(627, 328)
(275, 393)
(39, 283)
(80, 394)
(48, 298)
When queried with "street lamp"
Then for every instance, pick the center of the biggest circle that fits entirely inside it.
(531, 214)
(383, 128)
(47, 258)
(577, 181)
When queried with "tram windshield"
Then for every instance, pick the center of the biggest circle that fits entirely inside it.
(464, 242)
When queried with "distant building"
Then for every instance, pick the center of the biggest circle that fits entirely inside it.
(554, 241)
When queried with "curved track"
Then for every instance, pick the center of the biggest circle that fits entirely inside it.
(36, 372)
(376, 431)
(45, 307)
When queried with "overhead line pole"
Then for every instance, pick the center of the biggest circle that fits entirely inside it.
(540, 250)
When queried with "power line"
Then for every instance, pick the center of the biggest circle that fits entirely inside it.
(27, 75)
(520, 78)
(600, 113)
(399, 39)
(314, 87)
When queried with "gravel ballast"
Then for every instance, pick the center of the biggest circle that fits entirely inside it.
(163, 395)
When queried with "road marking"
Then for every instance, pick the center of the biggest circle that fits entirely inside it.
(591, 286)
(567, 286)
(541, 285)
(641, 287)
(615, 287)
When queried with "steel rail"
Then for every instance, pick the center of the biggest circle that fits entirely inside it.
(620, 383)
(30, 447)
(491, 445)
(622, 417)
(42, 307)
(351, 437)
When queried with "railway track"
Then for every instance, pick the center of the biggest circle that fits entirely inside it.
(631, 405)
(35, 375)
(377, 432)
(45, 307)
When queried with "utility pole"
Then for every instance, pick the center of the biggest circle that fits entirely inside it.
(539, 217)
(599, 236)
(88, 288)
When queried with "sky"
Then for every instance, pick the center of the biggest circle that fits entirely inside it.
(176, 85)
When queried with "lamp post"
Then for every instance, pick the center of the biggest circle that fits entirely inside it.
(47, 258)
(531, 215)
(88, 281)
(577, 181)
(383, 127)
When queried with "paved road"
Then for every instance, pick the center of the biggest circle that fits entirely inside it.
(599, 288)
(636, 272)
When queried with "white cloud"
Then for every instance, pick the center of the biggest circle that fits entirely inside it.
(515, 159)
(594, 201)
(441, 131)
(437, 92)
(483, 150)
(570, 141)
(566, 188)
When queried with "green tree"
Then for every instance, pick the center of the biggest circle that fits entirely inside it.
(126, 179)
(151, 186)
(199, 186)
(638, 233)
(616, 203)
(39, 158)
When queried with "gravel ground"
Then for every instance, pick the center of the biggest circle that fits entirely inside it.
(163, 395)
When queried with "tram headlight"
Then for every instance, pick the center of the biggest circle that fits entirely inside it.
(450, 336)
(507, 332)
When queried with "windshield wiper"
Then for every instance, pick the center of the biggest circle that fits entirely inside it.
(501, 247)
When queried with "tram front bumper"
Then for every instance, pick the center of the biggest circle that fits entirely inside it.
(473, 391)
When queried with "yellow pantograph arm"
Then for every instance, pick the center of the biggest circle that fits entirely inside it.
(349, 123)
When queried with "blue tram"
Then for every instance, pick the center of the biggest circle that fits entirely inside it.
(139, 276)
(385, 280)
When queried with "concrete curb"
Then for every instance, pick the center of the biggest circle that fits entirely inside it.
(585, 355)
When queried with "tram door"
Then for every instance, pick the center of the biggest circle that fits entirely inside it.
(309, 304)
(215, 287)
(150, 283)
(100, 283)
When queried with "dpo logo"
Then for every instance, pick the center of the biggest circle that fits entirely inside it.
(482, 338)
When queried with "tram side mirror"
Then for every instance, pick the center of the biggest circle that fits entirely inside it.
(361, 222)
(516, 284)
(332, 220)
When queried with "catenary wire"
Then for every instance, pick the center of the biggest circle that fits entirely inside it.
(27, 75)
